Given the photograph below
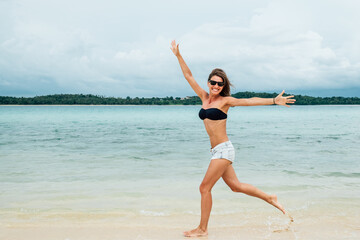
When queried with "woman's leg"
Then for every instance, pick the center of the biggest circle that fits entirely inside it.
(215, 170)
(232, 181)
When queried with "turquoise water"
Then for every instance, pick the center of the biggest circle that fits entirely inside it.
(150, 160)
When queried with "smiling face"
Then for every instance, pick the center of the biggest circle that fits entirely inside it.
(218, 75)
(215, 89)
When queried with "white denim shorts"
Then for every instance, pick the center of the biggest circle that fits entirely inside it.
(223, 150)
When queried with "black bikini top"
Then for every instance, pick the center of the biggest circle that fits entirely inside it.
(212, 114)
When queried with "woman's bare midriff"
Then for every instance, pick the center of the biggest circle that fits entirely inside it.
(216, 130)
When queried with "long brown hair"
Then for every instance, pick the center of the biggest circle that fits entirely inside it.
(220, 73)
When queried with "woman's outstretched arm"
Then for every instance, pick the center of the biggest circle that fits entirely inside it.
(256, 101)
(186, 71)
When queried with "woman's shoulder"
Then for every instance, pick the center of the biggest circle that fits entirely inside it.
(227, 100)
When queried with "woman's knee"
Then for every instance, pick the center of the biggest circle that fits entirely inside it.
(235, 189)
(204, 188)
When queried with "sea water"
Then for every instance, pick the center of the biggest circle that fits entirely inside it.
(127, 162)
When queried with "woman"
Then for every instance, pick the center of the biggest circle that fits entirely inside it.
(215, 106)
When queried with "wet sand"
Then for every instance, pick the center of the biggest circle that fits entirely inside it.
(221, 227)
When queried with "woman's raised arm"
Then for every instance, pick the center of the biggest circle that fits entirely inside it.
(256, 101)
(186, 71)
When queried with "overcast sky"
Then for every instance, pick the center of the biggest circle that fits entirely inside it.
(122, 48)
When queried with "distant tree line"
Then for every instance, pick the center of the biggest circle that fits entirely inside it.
(89, 99)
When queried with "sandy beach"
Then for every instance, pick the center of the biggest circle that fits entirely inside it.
(144, 228)
(315, 221)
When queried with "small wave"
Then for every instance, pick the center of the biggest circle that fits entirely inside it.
(166, 129)
(153, 214)
(335, 136)
(45, 139)
(293, 138)
(302, 174)
(341, 174)
(328, 174)
(146, 128)
(136, 158)
(245, 147)
(326, 151)
(7, 143)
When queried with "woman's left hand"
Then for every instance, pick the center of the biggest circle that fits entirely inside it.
(280, 100)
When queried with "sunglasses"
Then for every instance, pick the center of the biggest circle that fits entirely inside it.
(220, 84)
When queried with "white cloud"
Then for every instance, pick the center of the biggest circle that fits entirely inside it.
(274, 51)
(118, 49)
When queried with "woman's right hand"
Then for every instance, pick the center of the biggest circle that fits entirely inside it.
(175, 48)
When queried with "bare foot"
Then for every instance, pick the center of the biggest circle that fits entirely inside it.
(273, 201)
(197, 232)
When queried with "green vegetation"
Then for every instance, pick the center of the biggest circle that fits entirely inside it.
(81, 99)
